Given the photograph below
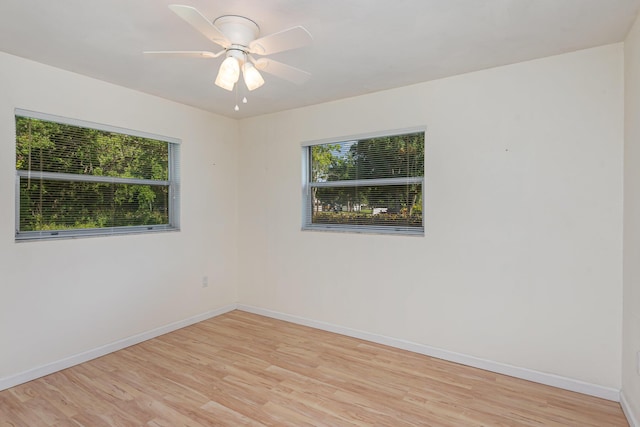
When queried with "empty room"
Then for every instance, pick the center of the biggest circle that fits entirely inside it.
(319, 213)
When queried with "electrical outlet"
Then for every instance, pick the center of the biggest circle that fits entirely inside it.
(205, 281)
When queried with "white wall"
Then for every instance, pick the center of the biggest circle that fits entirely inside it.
(521, 262)
(60, 298)
(631, 319)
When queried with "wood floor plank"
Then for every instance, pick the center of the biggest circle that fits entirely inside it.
(240, 369)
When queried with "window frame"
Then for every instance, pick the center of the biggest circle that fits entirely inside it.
(308, 185)
(173, 183)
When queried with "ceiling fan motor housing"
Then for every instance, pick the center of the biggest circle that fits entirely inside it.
(240, 31)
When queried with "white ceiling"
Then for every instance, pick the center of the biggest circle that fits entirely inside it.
(360, 46)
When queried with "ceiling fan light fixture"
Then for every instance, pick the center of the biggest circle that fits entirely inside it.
(252, 77)
(224, 84)
(228, 74)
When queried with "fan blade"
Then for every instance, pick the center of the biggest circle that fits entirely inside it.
(283, 71)
(183, 53)
(291, 38)
(200, 23)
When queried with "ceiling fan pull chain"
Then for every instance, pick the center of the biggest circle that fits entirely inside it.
(237, 108)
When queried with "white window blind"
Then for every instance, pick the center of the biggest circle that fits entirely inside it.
(75, 178)
(371, 184)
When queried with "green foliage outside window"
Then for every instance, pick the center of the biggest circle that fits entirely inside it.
(75, 177)
(341, 173)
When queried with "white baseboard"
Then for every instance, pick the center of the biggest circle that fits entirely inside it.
(626, 408)
(67, 362)
(488, 365)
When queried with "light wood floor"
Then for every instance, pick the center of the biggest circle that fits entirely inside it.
(243, 369)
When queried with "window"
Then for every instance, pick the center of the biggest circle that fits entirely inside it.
(370, 184)
(75, 178)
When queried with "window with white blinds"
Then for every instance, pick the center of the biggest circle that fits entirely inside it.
(369, 184)
(75, 178)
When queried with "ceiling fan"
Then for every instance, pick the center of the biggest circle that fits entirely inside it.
(238, 36)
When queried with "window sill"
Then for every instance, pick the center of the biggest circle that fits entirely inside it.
(397, 231)
(35, 236)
